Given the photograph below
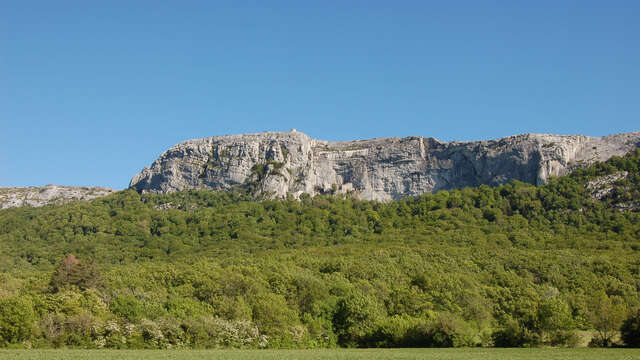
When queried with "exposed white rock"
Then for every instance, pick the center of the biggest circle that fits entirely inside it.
(603, 185)
(50, 194)
(282, 163)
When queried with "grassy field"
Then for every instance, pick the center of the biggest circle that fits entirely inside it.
(339, 354)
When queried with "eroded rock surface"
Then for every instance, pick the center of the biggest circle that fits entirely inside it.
(281, 163)
(50, 194)
(604, 185)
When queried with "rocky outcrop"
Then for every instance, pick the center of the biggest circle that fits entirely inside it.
(602, 186)
(50, 194)
(281, 163)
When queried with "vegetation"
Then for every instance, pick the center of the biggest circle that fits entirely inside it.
(515, 265)
(630, 331)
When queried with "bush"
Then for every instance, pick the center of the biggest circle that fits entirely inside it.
(273, 317)
(355, 318)
(398, 331)
(553, 315)
(16, 320)
(599, 341)
(128, 307)
(183, 308)
(76, 330)
(630, 330)
(72, 302)
(564, 338)
(113, 335)
(449, 331)
(514, 334)
(212, 332)
(152, 334)
(81, 329)
(320, 331)
(52, 328)
(133, 309)
(446, 330)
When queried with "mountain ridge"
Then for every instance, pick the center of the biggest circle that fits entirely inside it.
(37, 196)
(280, 164)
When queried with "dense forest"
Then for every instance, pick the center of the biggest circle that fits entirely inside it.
(514, 265)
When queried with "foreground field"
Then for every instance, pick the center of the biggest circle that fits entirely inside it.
(395, 354)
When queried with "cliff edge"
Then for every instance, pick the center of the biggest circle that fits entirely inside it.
(277, 164)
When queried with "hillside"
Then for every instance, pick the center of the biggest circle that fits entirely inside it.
(47, 195)
(281, 164)
(514, 264)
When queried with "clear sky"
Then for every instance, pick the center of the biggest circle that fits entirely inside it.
(92, 91)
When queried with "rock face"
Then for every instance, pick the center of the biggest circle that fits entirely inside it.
(50, 194)
(281, 163)
(604, 185)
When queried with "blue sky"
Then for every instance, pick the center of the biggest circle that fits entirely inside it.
(91, 92)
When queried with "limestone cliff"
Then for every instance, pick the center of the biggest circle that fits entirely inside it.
(50, 194)
(281, 163)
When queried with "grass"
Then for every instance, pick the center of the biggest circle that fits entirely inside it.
(334, 354)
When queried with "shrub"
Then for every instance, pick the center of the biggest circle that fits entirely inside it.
(356, 316)
(630, 330)
(564, 338)
(554, 314)
(514, 334)
(598, 341)
(184, 307)
(446, 330)
(52, 328)
(449, 331)
(151, 334)
(398, 331)
(213, 332)
(173, 333)
(113, 335)
(275, 319)
(133, 309)
(82, 329)
(16, 320)
(320, 331)
(75, 330)
(128, 307)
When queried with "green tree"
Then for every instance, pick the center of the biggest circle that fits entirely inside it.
(356, 317)
(73, 272)
(554, 314)
(606, 315)
(272, 315)
(16, 319)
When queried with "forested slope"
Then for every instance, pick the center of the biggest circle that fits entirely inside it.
(512, 265)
